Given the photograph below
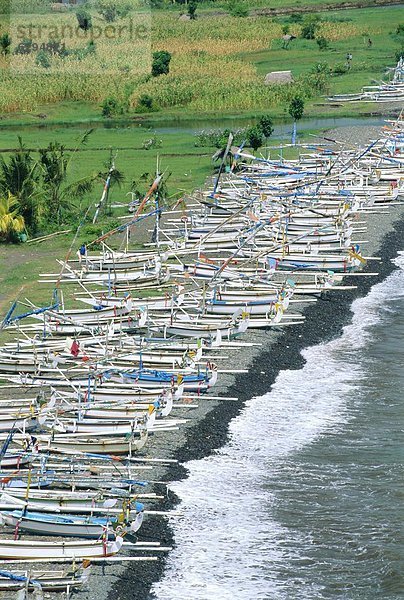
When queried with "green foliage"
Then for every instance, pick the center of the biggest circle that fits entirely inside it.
(108, 10)
(161, 63)
(314, 83)
(43, 59)
(39, 186)
(399, 53)
(296, 108)
(5, 44)
(309, 27)
(217, 66)
(192, 6)
(145, 101)
(152, 142)
(84, 19)
(54, 162)
(340, 69)
(217, 138)
(334, 19)
(317, 79)
(398, 36)
(81, 53)
(110, 107)
(285, 29)
(321, 67)
(146, 104)
(26, 44)
(237, 9)
(111, 11)
(20, 177)
(296, 18)
(322, 43)
(255, 137)
(11, 221)
(114, 106)
(92, 232)
(266, 126)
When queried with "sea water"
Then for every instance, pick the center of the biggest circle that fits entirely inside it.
(305, 501)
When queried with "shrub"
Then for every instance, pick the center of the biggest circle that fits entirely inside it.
(5, 43)
(161, 63)
(84, 19)
(80, 53)
(322, 43)
(124, 10)
(315, 82)
(145, 104)
(108, 10)
(24, 47)
(296, 18)
(265, 124)
(113, 105)
(110, 107)
(192, 5)
(111, 11)
(255, 137)
(237, 9)
(340, 69)
(218, 137)
(400, 29)
(309, 27)
(43, 59)
(322, 67)
(152, 142)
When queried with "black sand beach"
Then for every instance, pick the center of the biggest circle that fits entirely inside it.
(207, 429)
(324, 321)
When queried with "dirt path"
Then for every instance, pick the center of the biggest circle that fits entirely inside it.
(327, 6)
(19, 269)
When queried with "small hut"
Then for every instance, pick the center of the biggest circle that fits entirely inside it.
(278, 78)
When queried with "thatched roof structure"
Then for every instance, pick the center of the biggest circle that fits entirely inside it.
(278, 78)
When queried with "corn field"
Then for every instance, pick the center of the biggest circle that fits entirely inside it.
(209, 70)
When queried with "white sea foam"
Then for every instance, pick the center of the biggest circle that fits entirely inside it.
(228, 544)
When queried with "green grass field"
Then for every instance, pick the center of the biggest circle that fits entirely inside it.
(217, 70)
(20, 265)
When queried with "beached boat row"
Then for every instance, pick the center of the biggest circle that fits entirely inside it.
(89, 387)
(385, 91)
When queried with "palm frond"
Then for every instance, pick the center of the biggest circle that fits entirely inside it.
(117, 176)
(80, 188)
(84, 138)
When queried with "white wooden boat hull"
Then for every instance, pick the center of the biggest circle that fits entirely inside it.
(25, 550)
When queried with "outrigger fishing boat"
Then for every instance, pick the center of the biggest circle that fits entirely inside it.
(26, 549)
(88, 387)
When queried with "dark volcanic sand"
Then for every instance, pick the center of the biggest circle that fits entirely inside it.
(324, 321)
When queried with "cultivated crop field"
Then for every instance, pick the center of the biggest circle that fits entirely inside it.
(218, 61)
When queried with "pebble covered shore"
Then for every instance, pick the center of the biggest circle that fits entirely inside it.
(207, 426)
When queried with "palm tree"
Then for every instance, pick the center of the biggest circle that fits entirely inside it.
(20, 178)
(11, 222)
(54, 163)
